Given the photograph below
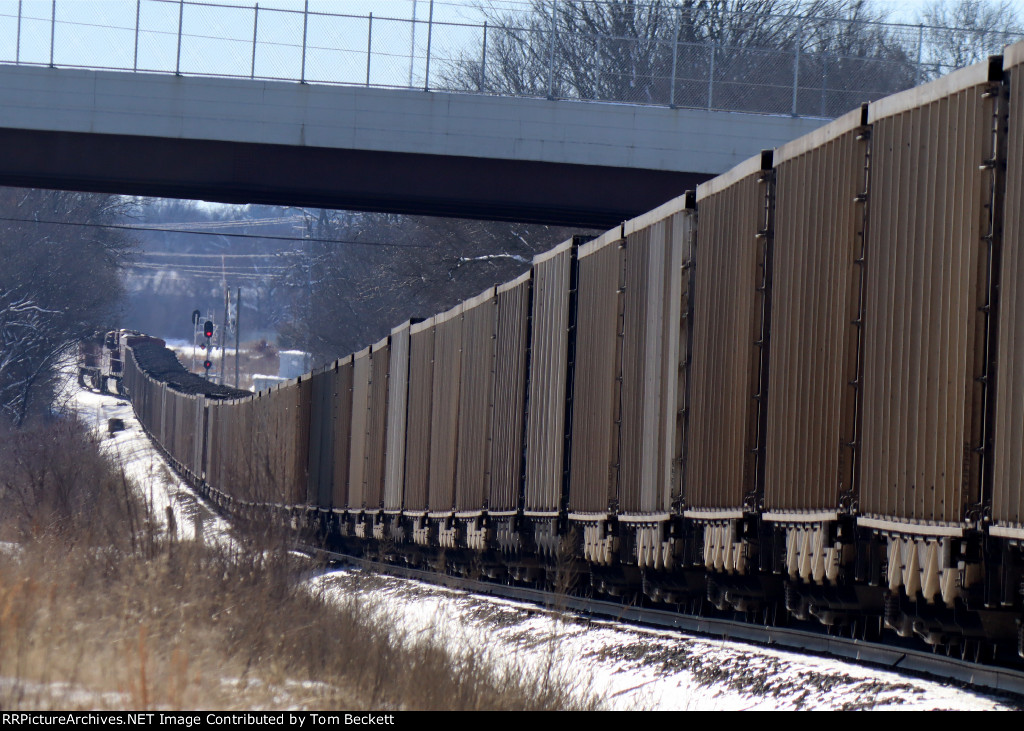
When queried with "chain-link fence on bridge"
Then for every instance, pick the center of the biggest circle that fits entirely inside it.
(791, 65)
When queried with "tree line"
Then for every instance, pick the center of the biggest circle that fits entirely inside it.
(60, 282)
(744, 55)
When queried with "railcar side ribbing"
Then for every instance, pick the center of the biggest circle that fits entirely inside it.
(791, 396)
(1008, 448)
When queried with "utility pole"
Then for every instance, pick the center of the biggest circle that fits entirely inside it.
(196, 317)
(224, 338)
(238, 330)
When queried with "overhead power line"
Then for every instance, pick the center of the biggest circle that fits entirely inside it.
(189, 255)
(216, 276)
(200, 268)
(234, 222)
(266, 237)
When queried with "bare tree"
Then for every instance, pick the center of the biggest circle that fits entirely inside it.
(399, 267)
(60, 282)
(962, 32)
(732, 54)
(28, 352)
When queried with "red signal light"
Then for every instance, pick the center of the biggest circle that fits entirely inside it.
(208, 329)
(207, 364)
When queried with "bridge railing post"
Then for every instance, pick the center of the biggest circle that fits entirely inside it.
(181, 14)
(53, 28)
(17, 49)
(255, 31)
(920, 47)
(483, 62)
(430, 37)
(412, 42)
(135, 56)
(796, 64)
(551, 52)
(675, 60)
(369, 46)
(711, 77)
(824, 83)
(305, 30)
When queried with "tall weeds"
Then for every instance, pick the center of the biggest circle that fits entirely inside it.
(100, 609)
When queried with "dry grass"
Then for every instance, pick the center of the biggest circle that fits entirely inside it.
(99, 610)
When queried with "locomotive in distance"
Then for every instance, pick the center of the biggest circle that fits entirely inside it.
(793, 396)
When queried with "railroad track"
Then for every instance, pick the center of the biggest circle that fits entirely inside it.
(614, 405)
(973, 674)
(904, 660)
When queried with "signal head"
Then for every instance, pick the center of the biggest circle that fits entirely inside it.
(208, 329)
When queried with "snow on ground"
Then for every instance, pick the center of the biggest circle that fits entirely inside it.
(146, 468)
(68, 695)
(626, 666)
(629, 667)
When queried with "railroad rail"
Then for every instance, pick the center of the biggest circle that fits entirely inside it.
(909, 660)
(814, 640)
(794, 393)
(817, 640)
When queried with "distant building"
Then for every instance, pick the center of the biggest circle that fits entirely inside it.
(294, 363)
(262, 382)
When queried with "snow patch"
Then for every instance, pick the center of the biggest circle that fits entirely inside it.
(144, 466)
(626, 666)
(630, 667)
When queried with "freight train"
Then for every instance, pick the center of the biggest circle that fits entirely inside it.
(101, 362)
(794, 395)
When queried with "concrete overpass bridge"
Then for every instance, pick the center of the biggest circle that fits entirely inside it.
(405, 151)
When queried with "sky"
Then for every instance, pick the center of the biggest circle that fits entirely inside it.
(218, 39)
